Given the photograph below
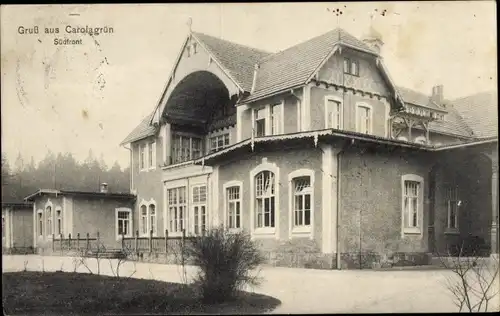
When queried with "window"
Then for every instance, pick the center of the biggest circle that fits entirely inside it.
(147, 218)
(185, 148)
(265, 199)
(412, 204)
(354, 68)
(452, 203)
(152, 155)
(176, 208)
(333, 112)
(48, 213)
(144, 220)
(142, 156)
(233, 206)
(3, 226)
(347, 65)
(152, 218)
(219, 142)
(302, 202)
(194, 48)
(275, 119)
(123, 222)
(351, 67)
(59, 228)
(364, 119)
(40, 222)
(260, 122)
(199, 208)
(299, 115)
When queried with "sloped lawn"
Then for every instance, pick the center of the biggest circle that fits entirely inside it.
(62, 293)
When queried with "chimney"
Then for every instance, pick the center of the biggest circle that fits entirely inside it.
(104, 188)
(437, 95)
(374, 40)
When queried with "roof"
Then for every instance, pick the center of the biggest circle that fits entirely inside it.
(89, 194)
(418, 98)
(480, 113)
(239, 60)
(144, 129)
(295, 65)
(17, 205)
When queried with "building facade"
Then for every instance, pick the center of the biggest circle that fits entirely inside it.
(17, 228)
(316, 153)
(64, 214)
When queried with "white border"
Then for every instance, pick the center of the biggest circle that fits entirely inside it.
(58, 208)
(229, 184)
(147, 204)
(131, 219)
(366, 105)
(420, 215)
(332, 97)
(268, 231)
(306, 231)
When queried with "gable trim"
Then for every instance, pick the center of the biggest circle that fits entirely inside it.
(323, 62)
(224, 70)
(172, 72)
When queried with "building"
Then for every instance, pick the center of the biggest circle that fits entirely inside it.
(56, 214)
(317, 153)
(17, 228)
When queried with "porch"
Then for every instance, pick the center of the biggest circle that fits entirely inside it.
(463, 198)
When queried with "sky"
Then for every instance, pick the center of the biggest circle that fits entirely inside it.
(72, 98)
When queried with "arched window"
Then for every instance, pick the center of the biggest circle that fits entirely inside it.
(265, 200)
(152, 218)
(144, 220)
(48, 212)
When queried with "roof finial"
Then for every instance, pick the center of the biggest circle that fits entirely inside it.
(190, 24)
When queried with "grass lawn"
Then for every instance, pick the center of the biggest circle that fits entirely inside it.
(63, 293)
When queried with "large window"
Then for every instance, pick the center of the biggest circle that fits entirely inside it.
(48, 214)
(219, 142)
(302, 201)
(364, 119)
(333, 112)
(59, 227)
(185, 148)
(452, 203)
(40, 222)
(123, 222)
(147, 218)
(412, 203)
(142, 156)
(144, 220)
(259, 122)
(199, 209)
(265, 199)
(233, 207)
(176, 208)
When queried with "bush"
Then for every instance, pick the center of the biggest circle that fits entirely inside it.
(226, 261)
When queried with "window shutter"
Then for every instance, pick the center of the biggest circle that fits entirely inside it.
(153, 152)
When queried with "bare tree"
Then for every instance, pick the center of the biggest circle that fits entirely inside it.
(474, 281)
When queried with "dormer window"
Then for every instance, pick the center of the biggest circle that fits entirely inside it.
(351, 67)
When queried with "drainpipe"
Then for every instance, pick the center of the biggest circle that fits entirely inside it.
(339, 161)
(131, 168)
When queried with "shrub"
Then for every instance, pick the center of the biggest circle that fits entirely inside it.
(225, 262)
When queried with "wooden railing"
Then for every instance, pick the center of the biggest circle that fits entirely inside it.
(133, 244)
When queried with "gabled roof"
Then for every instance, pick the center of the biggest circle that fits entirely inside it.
(144, 129)
(418, 98)
(294, 66)
(239, 60)
(480, 113)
